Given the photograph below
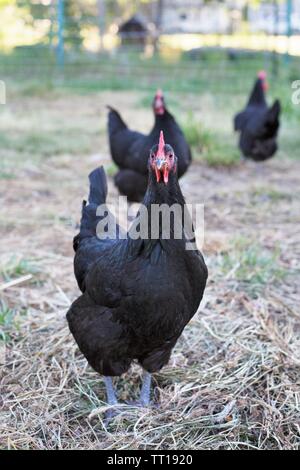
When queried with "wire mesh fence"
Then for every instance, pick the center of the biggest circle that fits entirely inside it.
(115, 44)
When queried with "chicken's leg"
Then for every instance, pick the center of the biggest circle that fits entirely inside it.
(146, 389)
(111, 400)
(110, 391)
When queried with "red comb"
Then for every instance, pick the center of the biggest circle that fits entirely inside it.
(159, 93)
(262, 75)
(161, 144)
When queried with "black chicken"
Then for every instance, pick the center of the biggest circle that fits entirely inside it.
(130, 149)
(138, 293)
(258, 125)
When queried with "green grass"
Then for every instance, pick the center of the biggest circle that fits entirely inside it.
(221, 154)
(111, 169)
(45, 143)
(31, 72)
(289, 138)
(7, 316)
(195, 134)
(6, 175)
(266, 193)
(209, 145)
(9, 322)
(16, 267)
(37, 72)
(253, 266)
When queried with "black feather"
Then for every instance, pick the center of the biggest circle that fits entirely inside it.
(138, 295)
(258, 126)
(130, 151)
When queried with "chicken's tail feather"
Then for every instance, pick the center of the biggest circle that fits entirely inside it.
(97, 197)
(98, 186)
(115, 122)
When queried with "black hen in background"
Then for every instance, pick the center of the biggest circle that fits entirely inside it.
(130, 149)
(138, 294)
(258, 124)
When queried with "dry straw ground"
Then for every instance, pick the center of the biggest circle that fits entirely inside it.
(233, 380)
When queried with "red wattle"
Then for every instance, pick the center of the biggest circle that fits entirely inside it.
(266, 86)
(166, 175)
(157, 172)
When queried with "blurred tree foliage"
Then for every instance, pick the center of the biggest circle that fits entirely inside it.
(78, 14)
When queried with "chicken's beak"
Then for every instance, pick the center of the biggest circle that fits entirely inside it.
(160, 162)
(161, 169)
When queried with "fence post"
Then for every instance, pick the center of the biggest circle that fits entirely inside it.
(60, 44)
(158, 21)
(275, 35)
(101, 14)
(289, 11)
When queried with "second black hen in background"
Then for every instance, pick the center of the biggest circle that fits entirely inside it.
(258, 124)
(138, 294)
(130, 149)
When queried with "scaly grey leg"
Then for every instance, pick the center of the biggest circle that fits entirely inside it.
(111, 400)
(110, 391)
(146, 389)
